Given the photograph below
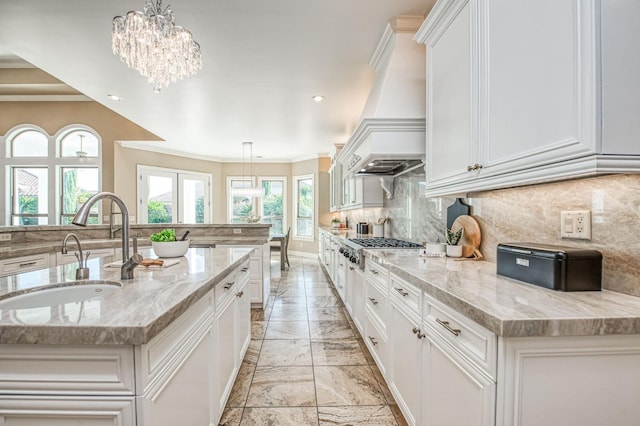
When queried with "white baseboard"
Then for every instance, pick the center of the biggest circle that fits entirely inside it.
(304, 254)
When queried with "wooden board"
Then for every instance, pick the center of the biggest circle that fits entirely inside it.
(471, 237)
(458, 208)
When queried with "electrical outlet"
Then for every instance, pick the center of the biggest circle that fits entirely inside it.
(237, 230)
(5, 237)
(575, 224)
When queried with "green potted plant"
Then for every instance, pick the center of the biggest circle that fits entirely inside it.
(453, 238)
(335, 222)
(165, 244)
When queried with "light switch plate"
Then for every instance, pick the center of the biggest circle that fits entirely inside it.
(237, 230)
(575, 224)
(5, 237)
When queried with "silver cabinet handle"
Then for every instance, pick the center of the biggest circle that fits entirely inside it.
(445, 324)
(351, 268)
(373, 271)
(244, 269)
(419, 334)
(373, 341)
(227, 286)
(240, 294)
(22, 265)
(373, 301)
(401, 291)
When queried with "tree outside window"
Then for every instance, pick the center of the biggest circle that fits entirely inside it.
(304, 210)
(273, 203)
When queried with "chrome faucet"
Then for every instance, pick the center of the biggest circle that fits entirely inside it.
(80, 219)
(83, 271)
(112, 226)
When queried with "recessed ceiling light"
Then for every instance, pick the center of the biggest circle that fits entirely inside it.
(114, 98)
(318, 98)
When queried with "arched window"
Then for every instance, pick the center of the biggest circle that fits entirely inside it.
(50, 176)
(29, 143)
(79, 143)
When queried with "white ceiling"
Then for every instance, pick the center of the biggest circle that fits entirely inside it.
(263, 60)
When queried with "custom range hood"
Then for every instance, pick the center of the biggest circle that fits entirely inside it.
(390, 138)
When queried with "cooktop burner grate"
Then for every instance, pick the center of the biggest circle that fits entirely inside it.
(383, 243)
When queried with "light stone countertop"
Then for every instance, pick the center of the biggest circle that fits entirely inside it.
(32, 248)
(133, 315)
(508, 307)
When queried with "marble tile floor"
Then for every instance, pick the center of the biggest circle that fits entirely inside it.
(307, 364)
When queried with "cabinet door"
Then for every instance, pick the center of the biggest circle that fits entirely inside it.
(225, 350)
(404, 371)
(349, 278)
(66, 411)
(541, 80)
(340, 274)
(186, 396)
(358, 299)
(243, 311)
(451, 139)
(455, 393)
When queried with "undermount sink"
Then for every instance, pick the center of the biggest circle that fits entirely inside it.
(61, 293)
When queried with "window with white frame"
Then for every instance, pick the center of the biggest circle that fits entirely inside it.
(173, 196)
(241, 207)
(304, 206)
(50, 177)
(273, 203)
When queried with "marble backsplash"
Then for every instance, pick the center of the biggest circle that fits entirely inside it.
(531, 213)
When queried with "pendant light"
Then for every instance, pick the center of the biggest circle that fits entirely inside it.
(250, 191)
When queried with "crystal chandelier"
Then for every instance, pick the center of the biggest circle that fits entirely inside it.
(250, 191)
(152, 44)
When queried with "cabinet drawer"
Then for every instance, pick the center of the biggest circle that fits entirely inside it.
(225, 289)
(377, 303)
(407, 293)
(68, 370)
(24, 264)
(245, 272)
(376, 341)
(376, 272)
(471, 339)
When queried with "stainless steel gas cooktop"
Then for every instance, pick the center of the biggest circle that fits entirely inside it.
(383, 243)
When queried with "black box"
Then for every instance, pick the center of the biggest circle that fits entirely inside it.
(553, 267)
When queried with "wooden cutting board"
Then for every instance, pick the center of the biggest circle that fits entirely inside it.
(471, 237)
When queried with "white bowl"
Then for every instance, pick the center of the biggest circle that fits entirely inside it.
(170, 248)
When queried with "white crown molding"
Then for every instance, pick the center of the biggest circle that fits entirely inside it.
(45, 98)
(151, 146)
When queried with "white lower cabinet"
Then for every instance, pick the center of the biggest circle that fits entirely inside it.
(182, 376)
(260, 271)
(233, 313)
(432, 380)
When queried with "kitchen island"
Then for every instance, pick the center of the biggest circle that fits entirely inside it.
(163, 349)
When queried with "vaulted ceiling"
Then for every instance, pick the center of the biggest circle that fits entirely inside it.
(263, 60)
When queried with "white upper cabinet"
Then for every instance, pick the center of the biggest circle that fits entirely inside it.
(520, 92)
